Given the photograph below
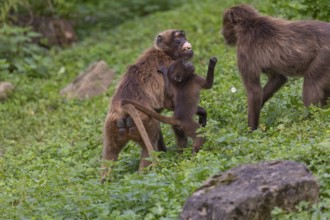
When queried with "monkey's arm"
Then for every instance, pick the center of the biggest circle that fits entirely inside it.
(210, 73)
(251, 80)
(202, 116)
(275, 82)
(164, 71)
(208, 82)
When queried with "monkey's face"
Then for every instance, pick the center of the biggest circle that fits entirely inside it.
(175, 44)
(234, 18)
(228, 30)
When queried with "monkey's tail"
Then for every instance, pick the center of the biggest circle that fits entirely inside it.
(130, 109)
(152, 113)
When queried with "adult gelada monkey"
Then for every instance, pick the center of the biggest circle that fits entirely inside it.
(281, 49)
(182, 86)
(143, 84)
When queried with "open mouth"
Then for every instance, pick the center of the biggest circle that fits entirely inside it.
(184, 49)
(186, 46)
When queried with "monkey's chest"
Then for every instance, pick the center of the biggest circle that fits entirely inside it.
(189, 99)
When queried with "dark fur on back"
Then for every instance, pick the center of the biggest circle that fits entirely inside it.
(281, 49)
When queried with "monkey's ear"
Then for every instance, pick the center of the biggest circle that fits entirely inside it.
(231, 16)
(159, 39)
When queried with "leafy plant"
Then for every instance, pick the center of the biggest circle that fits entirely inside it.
(319, 9)
(50, 147)
(6, 6)
(18, 54)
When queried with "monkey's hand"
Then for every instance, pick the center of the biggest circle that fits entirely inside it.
(207, 84)
(202, 116)
(213, 61)
(202, 119)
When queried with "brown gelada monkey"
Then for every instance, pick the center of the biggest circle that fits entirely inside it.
(182, 87)
(143, 84)
(281, 49)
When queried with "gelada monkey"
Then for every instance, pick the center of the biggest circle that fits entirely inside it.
(280, 49)
(143, 84)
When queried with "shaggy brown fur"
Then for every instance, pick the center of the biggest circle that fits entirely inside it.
(281, 49)
(143, 84)
(183, 86)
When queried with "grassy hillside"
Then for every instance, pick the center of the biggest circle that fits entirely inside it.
(50, 147)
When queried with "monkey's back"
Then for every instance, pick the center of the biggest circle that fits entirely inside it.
(186, 100)
(282, 46)
(142, 83)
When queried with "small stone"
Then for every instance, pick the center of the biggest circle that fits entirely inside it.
(5, 89)
(93, 82)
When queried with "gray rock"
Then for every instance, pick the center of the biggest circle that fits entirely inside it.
(251, 192)
(5, 89)
(94, 81)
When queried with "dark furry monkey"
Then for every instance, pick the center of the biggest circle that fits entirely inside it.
(142, 83)
(281, 49)
(183, 86)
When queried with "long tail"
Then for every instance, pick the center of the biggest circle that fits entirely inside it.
(152, 113)
(130, 109)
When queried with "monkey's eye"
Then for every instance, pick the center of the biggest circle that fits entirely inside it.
(178, 42)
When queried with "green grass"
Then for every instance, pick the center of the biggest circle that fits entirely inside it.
(50, 147)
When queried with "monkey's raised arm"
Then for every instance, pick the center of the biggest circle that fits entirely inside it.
(208, 83)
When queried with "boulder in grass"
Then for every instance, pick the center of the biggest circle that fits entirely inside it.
(251, 192)
(5, 89)
(94, 81)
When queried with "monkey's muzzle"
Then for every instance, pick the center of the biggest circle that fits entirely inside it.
(186, 46)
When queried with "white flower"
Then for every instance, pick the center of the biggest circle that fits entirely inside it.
(233, 89)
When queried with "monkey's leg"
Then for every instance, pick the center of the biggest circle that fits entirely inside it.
(275, 82)
(327, 96)
(112, 145)
(198, 142)
(255, 96)
(190, 130)
(181, 138)
(316, 79)
(312, 93)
